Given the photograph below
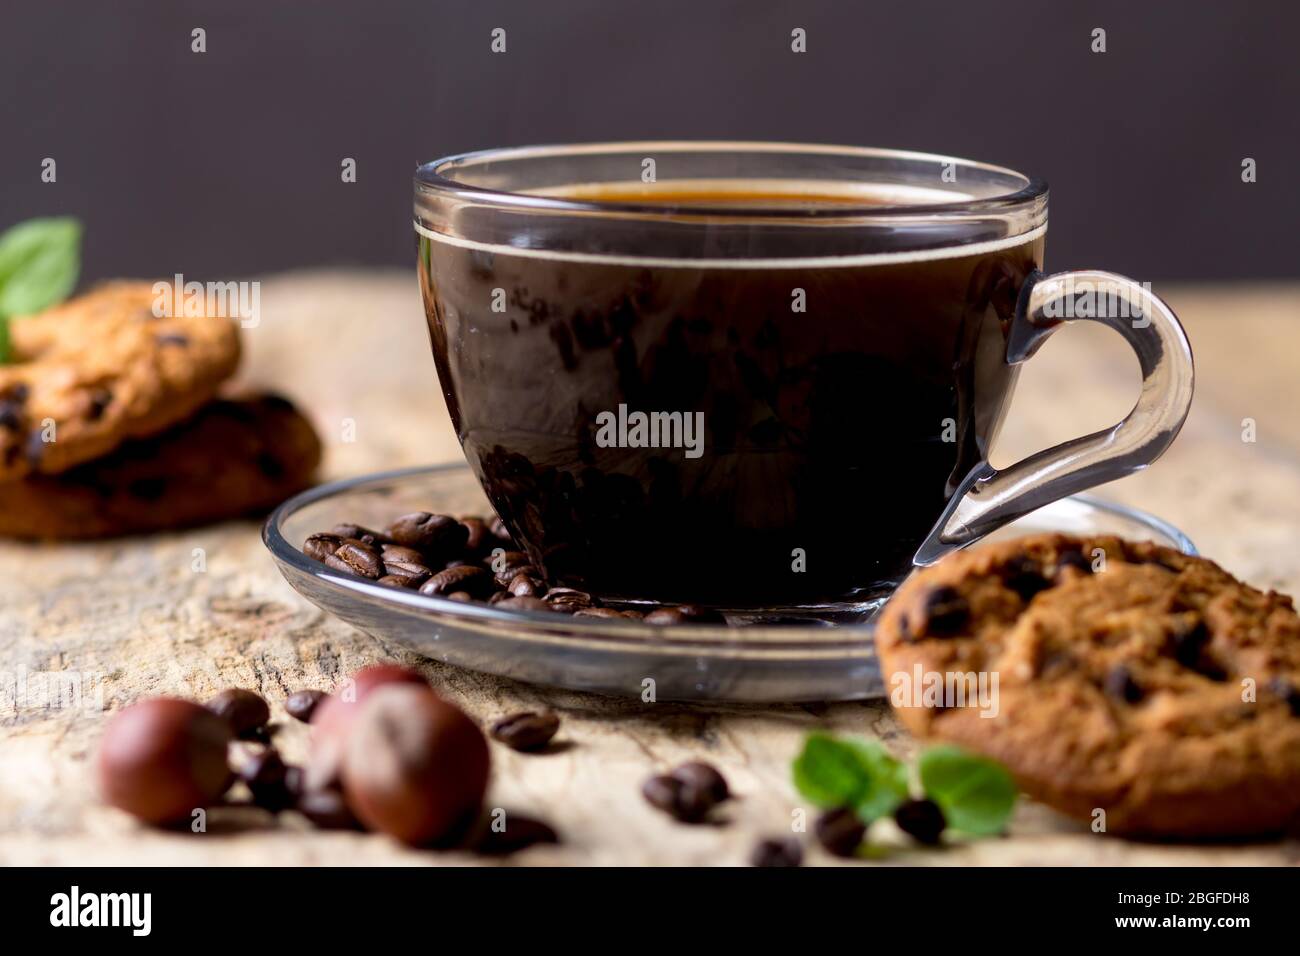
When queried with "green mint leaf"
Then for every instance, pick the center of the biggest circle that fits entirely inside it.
(828, 773)
(849, 773)
(976, 794)
(39, 262)
(889, 780)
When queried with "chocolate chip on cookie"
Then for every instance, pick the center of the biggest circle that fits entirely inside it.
(944, 612)
(1289, 693)
(1191, 640)
(1120, 684)
(1025, 577)
(1124, 690)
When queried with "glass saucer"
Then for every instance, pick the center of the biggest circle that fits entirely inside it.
(757, 663)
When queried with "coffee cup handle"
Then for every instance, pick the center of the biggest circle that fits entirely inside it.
(988, 497)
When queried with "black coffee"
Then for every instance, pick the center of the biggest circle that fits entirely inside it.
(731, 434)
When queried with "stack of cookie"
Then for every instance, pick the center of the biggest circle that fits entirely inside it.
(110, 423)
(1145, 691)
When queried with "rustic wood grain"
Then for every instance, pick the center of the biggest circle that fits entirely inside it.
(134, 618)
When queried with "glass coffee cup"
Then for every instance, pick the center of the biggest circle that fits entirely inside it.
(759, 375)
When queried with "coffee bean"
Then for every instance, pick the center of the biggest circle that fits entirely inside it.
(501, 560)
(512, 603)
(497, 529)
(922, 820)
(469, 578)
(500, 596)
(527, 731)
(660, 791)
(327, 809)
(438, 536)
(408, 569)
(945, 612)
(519, 833)
(359, 558)
(242, 709)
(302, 704)
(706, 777)
(358, 533)
(1025, 577)
(684, 801)
(684, 614)
(401, 555)
(607, 612)
(266, 775)
(321, 546)
(404, 570)
(504, 578)
(778, 852)
(840, 831)
(161, 759)
(506, 564)
(1289, 693)
(568, 600)
(414, 766)
(525, 585)
(1121, 685)
(476, 535)
(461, 596)
(400, 579)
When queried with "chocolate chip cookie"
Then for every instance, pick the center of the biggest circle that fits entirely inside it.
(235, 458)
(1129, 685)
(101, 369)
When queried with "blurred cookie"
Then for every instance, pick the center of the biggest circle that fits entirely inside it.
(101, 369)
(1118, 676)
(235, 458)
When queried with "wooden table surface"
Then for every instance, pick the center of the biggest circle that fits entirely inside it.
(132, 618)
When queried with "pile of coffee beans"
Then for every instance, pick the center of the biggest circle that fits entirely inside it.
(387, 755)
(469, 559)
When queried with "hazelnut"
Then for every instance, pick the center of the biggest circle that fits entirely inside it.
(161, 759)
(334, 715)
(414, 766)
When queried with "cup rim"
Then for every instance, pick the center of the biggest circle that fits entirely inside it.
(430, 178)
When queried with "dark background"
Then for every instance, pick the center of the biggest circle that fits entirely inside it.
(226, 163)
